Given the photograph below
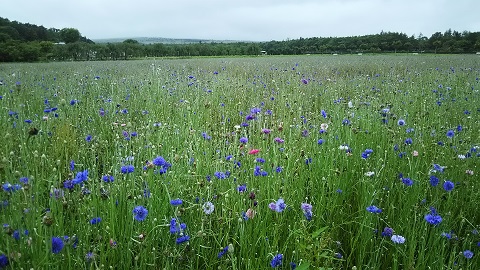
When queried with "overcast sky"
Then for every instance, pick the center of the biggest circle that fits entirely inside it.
(251, 20)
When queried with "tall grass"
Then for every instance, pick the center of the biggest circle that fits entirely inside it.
(97, 117)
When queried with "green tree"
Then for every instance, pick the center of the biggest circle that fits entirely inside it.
(69, 35)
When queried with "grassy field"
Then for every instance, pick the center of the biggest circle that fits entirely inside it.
(330, 162)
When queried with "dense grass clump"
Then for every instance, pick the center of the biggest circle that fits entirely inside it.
(241, 163)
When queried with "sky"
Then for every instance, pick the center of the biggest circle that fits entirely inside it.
(247, 20)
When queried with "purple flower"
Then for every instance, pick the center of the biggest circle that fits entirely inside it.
(279, 140)
(244, 140)
(387, 232)
(266, 131)
(278, 206)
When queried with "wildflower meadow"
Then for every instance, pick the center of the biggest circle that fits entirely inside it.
(298, 162)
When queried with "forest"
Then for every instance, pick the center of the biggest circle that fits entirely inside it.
(24, 42)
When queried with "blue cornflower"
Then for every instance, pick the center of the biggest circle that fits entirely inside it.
(374, 209)
(307, 210)
(448, 185)
(221, 253)
(176, 228)
(401, 122)
(72, 165)
(16, 235)
(433, 218)
(243, 140)
(468, 254)
(182, 239)
(279, 169)
(260, 160)
(205, 136)
(80, 177)
(242, 188)
(324, 114)
(57, 244)
(276, 261)
(3, 260)
(108, 178)
(346, 122)
(438, 168)
(95, 220)
(450, 133)
(88, 138)
(24, 180)
(73, 101)
(278, 206)
(320, 141)
(68, 184)
(434, 180)
(407, 181)
(140, 213)
(127, 169)
(176, 202)
(387, 232)
(408, 141)
(220, 175)
(367, 153)
(161, 162)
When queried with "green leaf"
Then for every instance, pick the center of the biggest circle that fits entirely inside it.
(303, 266)
(319, 231)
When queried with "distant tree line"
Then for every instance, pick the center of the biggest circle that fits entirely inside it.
(29, 43)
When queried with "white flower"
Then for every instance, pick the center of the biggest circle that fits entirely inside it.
(398, 239)
(208, 208)
(369, 174)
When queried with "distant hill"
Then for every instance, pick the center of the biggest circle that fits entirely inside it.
(153, 40)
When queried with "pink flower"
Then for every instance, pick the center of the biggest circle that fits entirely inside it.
(250, 213)
(254, 151)
(415, 153)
